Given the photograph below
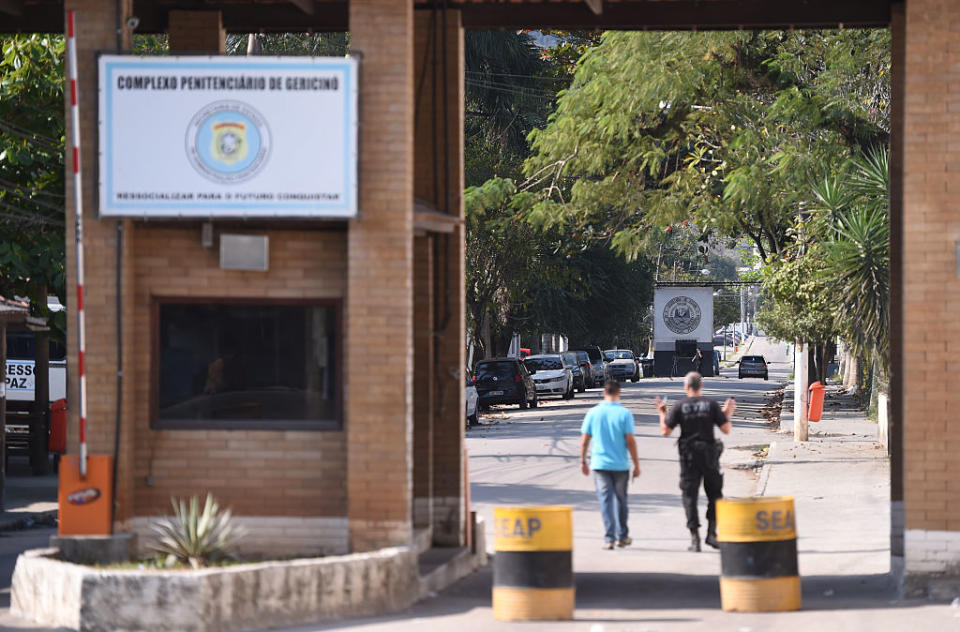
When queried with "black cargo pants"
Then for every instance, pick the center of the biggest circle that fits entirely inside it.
(700, 461)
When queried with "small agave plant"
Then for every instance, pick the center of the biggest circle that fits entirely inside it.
(194, 536)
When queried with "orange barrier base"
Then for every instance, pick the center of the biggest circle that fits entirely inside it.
(85, 503)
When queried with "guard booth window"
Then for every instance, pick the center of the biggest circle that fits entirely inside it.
(243, 365)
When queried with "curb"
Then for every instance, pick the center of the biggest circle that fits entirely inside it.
(765, 471)
(28, 520)
(771, 451)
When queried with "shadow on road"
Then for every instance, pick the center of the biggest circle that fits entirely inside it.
(580, 500)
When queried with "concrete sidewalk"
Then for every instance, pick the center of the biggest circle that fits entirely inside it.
(840, 483)
(28, 500)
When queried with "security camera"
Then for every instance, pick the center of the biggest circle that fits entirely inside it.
(133, 22)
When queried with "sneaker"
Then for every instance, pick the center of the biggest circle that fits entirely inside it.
(607, 546)
(624, 542)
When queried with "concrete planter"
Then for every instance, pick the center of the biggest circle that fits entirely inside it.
(60, 594)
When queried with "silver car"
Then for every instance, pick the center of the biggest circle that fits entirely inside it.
(551, 375)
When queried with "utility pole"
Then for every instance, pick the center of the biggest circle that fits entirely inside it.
(800, 391)
(743, 313)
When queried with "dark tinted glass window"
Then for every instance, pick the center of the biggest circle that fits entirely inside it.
(20, 347)
(582, 357)
(544, 364)
(247, 365)
(495, 369)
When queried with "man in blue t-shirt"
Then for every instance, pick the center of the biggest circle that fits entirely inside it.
(610, 428)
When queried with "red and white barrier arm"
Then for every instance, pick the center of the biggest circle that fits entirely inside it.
(78, 213)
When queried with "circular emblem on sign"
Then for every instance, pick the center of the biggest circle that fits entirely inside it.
(681, 315)
(228, 142)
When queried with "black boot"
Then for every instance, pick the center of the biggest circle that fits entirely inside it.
(694, 541)
(711, 538)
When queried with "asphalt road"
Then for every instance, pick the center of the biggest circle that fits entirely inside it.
(532, 458)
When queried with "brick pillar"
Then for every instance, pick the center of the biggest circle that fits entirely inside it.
(379, 305)
(423, 357)
(96, 30)
(196, 32)
(931, 330)
(439, 180)
(895, 437)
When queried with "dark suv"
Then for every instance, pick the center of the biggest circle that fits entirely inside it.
(753, 366)
(504, 381)
(595, 357)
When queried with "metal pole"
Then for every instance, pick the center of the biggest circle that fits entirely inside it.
(78, 212)
(743, 314)
(800, 426)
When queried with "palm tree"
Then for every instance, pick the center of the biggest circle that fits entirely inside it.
(854, 206)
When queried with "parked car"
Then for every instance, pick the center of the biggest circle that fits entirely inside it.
(579, 379)
(753, 366)
(597, 365)
(591, 377)
(551, 375)
(621, 365)
(504, 381)
(473, 399)
(716, 362)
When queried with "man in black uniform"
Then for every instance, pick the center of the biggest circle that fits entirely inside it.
(699, 451)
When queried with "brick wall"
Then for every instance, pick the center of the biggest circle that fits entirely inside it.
(96, 31)
(256, 472)
(196, 31)
(423, 381)
(931, 338)
(439, 181)
(379, 341)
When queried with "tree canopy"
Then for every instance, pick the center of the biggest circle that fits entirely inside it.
(32, 247)
(725, 130)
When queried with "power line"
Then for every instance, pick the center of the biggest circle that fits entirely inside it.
(31, 200)
(507, 74)
(30, 216)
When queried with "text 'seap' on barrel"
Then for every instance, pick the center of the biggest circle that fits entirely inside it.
(758, 554)
(533, 563)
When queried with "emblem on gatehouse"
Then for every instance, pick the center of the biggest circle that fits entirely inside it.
(228, 142)
(681, 315)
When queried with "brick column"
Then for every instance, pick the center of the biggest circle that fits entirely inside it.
(895, 438)
(439, 180)
(96, 24)
(196, 32)
(379, 306)
(423, 357)
(931, 330)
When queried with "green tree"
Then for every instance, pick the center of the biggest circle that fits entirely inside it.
(856, 210)
(32, 248)
(724, 130)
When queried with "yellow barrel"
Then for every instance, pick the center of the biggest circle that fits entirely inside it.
(758, 554)
(533, 563)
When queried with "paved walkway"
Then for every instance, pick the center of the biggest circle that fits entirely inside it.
(839, 480)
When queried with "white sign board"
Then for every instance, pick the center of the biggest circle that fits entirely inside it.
(20, 382)
(682, 313)
(207, 137)
(19, 376)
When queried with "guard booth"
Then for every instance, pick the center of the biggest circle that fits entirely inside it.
(683, 323)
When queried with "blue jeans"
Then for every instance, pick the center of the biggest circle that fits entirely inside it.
(612, 493)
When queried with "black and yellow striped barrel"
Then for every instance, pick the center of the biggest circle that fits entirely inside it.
(758, 554)
(533, 563)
